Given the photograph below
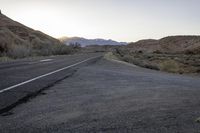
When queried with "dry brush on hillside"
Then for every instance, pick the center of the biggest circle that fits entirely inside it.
(174, 61)
(19, 41)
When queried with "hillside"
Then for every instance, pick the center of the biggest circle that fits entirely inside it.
(171, 44)
(17, 40)
(175, 54)
(85, 42)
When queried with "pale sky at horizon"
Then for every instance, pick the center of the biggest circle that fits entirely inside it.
(121, 20)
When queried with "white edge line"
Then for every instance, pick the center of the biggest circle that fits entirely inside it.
(44, 75)
(46, 60)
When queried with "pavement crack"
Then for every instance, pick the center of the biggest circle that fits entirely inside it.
(7, 114)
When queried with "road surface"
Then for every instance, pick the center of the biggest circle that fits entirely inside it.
(108, 96)
(22, 79)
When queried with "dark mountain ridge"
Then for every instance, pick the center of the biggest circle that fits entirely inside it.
(85, 42)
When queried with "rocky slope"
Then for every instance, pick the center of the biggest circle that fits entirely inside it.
(19, 40)
(171, 44)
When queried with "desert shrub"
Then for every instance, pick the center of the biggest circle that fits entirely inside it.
(170, 66)
(63, 49)
(40, 52)
(120, 52)
(47, 49)
(127, 58)
(157, 52)
(188, 52)
(19, 51)
(110, 55)
(2, 49)
(5, 58)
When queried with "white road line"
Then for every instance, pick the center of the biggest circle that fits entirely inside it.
(30, 80)
(46, 60)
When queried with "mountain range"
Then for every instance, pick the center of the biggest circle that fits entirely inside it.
(85, 42)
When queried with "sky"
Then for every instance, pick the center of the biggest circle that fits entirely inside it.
(121, 20)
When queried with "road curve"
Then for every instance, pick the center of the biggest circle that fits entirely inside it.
(108, 96)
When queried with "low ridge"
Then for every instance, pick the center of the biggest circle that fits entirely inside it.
(171, 44)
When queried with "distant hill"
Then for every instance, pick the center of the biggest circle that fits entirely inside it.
(85, 42)
(18, 40)
(171, 44)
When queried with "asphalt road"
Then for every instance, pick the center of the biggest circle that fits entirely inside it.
(22, 79)
(108, 96)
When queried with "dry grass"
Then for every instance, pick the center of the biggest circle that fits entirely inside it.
(110, 55)
(173, 63)
(5, 59)
(171, 66)
(19, 51)
(22, 51)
